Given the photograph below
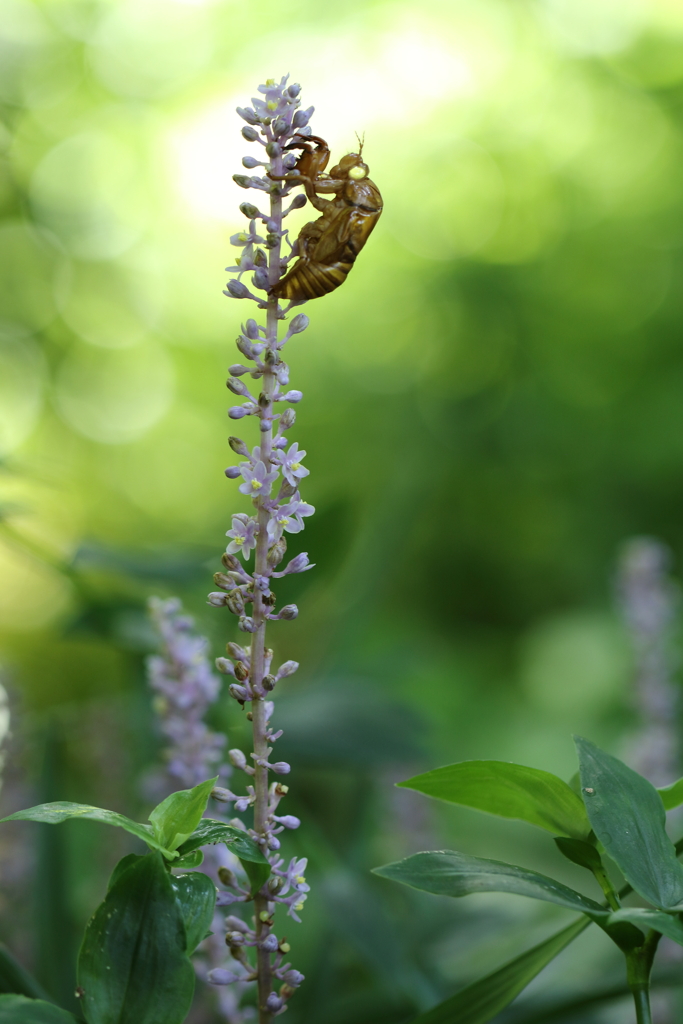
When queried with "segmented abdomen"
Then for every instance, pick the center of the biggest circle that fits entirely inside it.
(309, 280)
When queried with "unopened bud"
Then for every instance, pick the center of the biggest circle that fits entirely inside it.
(272, 149)
(269, 943)
(234, 939)
(249, 133)
(289, 821)
(298, 201)
(241, 671)
(280, 126)
(293, 396)
(251, 329)
(250, 162)
(243, 180)
(293, 978)
(236, 386)
(277, 552)
(221, 976)
(232, 472)
(293, 90)
(300, 119)
(280, 768)
(288, 419)
(275, 884)
(238, 369)
(216, 600)
(237, 758)
(235, 602)
(287, 669)
(225, 666)
(235, 923)
(239, 693)
(221, 794)
(272, 239)
(235, 650)
(268, 682)
(290, 611)
(230, 562)
(238, 446)
(274, 1002)
(237, 290)
(260, 279)
(247, 624)
(237, 412)
(260, 259)
(248, 115)
(299, 323)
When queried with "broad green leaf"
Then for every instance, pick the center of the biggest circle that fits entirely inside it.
(510, 791)
(578, 852)
(133, 966)
(123, 865)
(192, 860)
(672, 796)
(210, 832)
(628, 818)
(16, 1009)
(14, 979)
(447, 873)
(63, 810)
(196, 896)
(176, 817)
(667, 924)
(484, 999)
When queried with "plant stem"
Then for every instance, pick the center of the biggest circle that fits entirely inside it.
(638, 967)
(258, 643)
(603, 881)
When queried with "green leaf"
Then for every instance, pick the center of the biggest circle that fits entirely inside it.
(666, 924)
(210, 832)
(133, 966)
(63, 810)
(628, 818)
(16, 1009)
(122, 866)
(578, 852)
(192, 860)
(446, 873)
(672, 796)
(484, 999)
(196, 896)
(176, 817)
(14, 979)
(510, 791)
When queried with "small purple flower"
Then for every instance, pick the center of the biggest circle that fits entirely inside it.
(292, 470)
(243, 534)
(293, 978)
(257, 480)
(288, 517)
(298, 564)
(220, 976)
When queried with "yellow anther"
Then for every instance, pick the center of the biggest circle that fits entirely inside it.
(256, 485)
(272, 105)
(270, 81)
(300, 879)
(299, 906)
(296, 465)
(238, 540)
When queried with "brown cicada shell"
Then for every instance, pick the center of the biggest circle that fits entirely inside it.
(328, 246)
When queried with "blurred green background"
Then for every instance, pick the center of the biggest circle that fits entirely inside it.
(493, 404)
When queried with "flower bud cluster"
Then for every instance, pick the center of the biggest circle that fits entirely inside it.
(185, 687)
(270, 473)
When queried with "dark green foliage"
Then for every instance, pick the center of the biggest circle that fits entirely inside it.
(133, 966)
(509, 790)
(196, 897)
(628, 818)
(447, 873)
(209, 832)
(175, 818)
(13, 977)
(20, 1010)
(583, 854)
(482, 1000)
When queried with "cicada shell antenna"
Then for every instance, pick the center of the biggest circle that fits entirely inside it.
(361, 143)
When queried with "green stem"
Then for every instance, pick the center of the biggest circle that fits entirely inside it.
(638, 967)
(603, 881)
